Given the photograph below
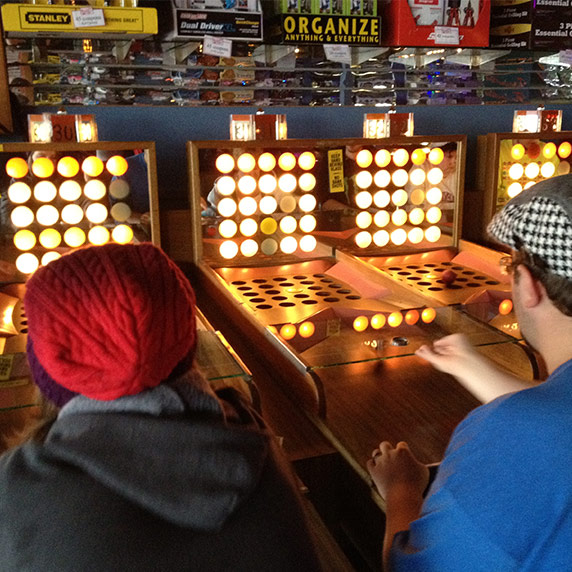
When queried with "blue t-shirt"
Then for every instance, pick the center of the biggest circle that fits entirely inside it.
(502, 499)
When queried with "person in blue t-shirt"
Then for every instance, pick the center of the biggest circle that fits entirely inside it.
(502, 497)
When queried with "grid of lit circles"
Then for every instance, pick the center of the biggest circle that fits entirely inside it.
(534, 163)
(48, 217)
(283, 186)
(381, 196)
(361, 323)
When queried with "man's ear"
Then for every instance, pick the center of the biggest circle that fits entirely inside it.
(531, 291)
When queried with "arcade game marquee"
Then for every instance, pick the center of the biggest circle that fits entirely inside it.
(338, 259)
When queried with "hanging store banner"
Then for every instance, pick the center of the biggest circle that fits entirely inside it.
(221, 23)
(323, 29)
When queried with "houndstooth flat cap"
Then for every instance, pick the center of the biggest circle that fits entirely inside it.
(540, 220)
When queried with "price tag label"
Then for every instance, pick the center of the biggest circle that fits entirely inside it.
(88, 18)
(448, 35)
(63, 128)
(213, 46)
(338, 53)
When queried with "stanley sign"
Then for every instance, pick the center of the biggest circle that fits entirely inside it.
(322, 29)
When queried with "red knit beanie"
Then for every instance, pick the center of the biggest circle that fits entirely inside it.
(108, 321)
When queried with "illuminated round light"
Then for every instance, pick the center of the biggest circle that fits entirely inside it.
(428, 315)
(268, 205)
(308, 243)
(22, 217)
(47, 215)
(363, 239)
(532, 170)
(418, 157)
(266, 162)
(399, 217)
(400, 157)
(415, 235)
(27, 263)
(517, 151)
(433, 215)
(269, 246)
(70, 191)
(287, 161)
(364, 179)
(119, 189)
(306, 329)
(381, 238)
(19, 193)
(94, 190)
(395, 319)
(381, 199)
(43, 167)
(74, 236)
(247, 206)
(117, 165)
(228, 249)
(381, 219)
(307, 182)
(529, 184)
(364, 219)
(227, 228)
(416, 216)
(377, 321)
(92, 166)
(307, 203)
(398, 237)
(122, 234)
(417, 176)
(288, 204)
(549, 150)
(224, 163)
(272, 329)
(399, 198)
(98, 235)
(50, 257)
(288, 245)
(225, 185)
(288, 331)
(564, 150)
(246, 163)
(249, 247)
(287, 183)
(120, 212)
(68, 167)
(226, 207)
(563, 168)
(16, 167)
(50, 238)
(411, 317)
(547, 170)
(432, 234)
(436, 156)
(516, 171)
(434, 196)
(505, 307)
(248, 227)
(364, 199)
(288, 224)
(382, 158)
(45, 191)
(514, 189)
(24, 240)
(96, 213)
(307, 160)
(307, 223)
(267, 184)
(435, 176)
(400, 177)
(247, 185)
(360, 324)
(364, 158)
(72, 214)
(382, 179)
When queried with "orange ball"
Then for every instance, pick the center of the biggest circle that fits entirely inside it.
(412, 317)
(117, 165)
(68, 167)
(306, 329)
(288, 331)
(395, 319)
(43, 168)
(17, 167)
(428, 315)
(505, 307)
(92, 166)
